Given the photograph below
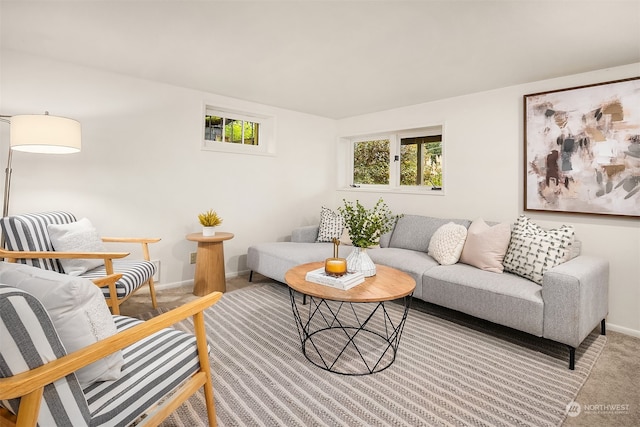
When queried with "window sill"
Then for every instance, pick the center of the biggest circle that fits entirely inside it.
(225, 147)
(420, 191)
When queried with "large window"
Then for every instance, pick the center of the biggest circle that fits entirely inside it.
(234, 131)
(403, 160)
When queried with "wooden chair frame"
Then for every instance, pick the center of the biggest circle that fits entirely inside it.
(29, 385)
(112, 301)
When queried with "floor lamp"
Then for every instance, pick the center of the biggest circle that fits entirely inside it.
(38, 133)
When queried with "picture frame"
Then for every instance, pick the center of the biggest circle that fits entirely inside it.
(582, 149)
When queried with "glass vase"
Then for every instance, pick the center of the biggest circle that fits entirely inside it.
(359, 260)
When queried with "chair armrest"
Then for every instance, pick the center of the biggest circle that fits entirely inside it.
(29, 381)
(576, 298)
(142, 240)
(131, 239)
(111, 279)
(110, 282)
(305, 234)
(12, 256)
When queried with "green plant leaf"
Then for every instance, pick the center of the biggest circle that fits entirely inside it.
(366, 226)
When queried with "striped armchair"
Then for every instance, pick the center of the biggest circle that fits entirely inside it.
(162, 367)
(27, 240)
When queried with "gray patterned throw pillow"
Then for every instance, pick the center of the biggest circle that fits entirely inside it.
(533, 250)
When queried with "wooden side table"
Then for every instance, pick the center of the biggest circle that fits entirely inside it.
(210, 274)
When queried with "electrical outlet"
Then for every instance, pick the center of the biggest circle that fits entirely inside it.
(192, 258)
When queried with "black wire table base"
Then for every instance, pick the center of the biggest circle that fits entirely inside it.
(349, 338)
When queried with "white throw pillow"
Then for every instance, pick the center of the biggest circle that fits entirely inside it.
(447, 243)
(331, 225)
(486, 245)
(78, 311)
(79, 236)
(533, 250)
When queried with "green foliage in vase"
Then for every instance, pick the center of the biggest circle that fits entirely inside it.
(366, 226)
(209, 218)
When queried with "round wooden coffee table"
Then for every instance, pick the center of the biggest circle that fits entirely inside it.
(351, 332)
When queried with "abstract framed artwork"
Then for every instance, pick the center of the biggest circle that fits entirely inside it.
(582, 149)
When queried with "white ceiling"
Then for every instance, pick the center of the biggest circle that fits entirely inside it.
(331, 58)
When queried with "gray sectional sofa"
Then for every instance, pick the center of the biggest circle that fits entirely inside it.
(570, 303)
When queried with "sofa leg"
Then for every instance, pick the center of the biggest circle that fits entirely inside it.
(251, 276)
(572, 358)
(603, 328)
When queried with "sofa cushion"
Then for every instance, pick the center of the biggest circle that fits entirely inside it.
(486, 245)
(447, 242)
(414, 231)
(506, 299)
(331, 225)
(413, 263)
(77, 309)
(154, 366)
(385, 239)
(305, 234)
(135, 273)
(533, 250)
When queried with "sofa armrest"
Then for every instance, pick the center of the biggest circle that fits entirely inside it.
(306, 234)
(576, 299)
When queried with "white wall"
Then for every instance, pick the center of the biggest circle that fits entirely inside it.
(141, 171)
(484, 177)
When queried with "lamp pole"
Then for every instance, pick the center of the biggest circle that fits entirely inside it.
(7, 185)
(7, 176)
(7, 182)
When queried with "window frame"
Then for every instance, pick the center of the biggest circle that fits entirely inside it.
(266, 132)
(394, 136)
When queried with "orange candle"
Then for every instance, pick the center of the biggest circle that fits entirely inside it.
(335, 266)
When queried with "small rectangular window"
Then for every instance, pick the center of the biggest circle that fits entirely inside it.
(234, 131)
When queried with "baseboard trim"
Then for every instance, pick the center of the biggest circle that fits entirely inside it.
(623, 330)
(160, 286)
(170, 285)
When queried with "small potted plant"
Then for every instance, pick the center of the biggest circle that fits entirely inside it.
(365, 228)
(209, 220)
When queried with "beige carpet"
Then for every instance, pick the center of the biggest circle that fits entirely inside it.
(478, 387)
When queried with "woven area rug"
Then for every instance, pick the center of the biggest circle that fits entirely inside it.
(448, 371)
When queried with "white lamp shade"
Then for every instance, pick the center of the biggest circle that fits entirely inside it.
(45, 134)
